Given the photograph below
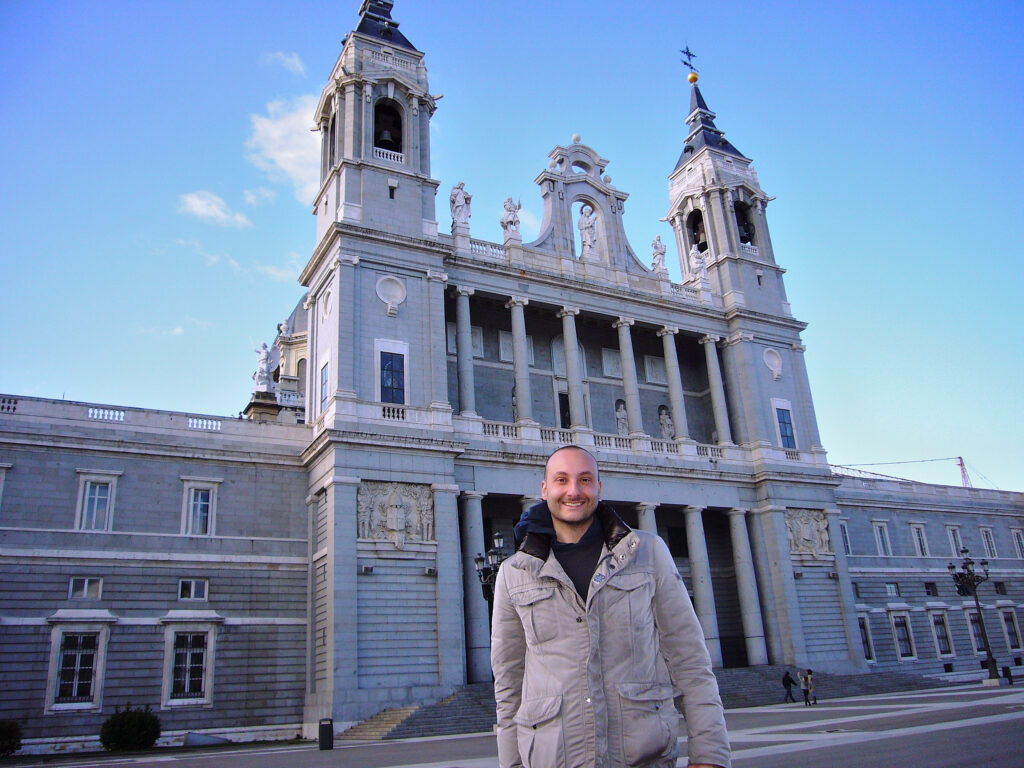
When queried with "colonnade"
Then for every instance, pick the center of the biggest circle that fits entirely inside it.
(573, 365)
(477, 630)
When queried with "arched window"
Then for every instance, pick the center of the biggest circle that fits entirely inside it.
(301, 373)
(695, 230)
(387, 126)
(745, 223)
(331, 141)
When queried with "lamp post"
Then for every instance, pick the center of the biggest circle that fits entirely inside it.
(967, 580)
(487, 568)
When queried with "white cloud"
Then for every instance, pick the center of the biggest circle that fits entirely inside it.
(210, 258)
(289, 61)
(529, 224)
(283, 145)
(176, 331)
(210, 208)
(289, 273)
(258, 196)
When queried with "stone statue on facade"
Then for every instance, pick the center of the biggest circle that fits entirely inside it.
(808, 532)
(588, 231)
(262, 375)
(621, 418)
(510, 219)
(460, 202)
(698, 266)
(658, 256)
(668, 429)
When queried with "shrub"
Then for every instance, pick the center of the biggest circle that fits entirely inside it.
(130, 729)
(10, 737)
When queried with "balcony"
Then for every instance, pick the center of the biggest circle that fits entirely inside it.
(388, 155)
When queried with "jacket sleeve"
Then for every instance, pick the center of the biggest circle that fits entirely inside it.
(689, 665)
(508, 660)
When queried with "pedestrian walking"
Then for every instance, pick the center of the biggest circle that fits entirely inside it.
(807, 686)
(788, 682)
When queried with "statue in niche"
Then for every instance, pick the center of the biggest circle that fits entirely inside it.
(510, 219)
(658, 255)
(460, 202)
(588, 231)
(262, 375)
(621, 418)
(399, 512)
(698, 266)
(808, 532)
(668, 429)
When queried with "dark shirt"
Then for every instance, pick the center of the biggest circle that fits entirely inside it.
(579, 560)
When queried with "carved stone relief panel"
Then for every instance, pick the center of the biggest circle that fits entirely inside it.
(395, 512)
(808, 532)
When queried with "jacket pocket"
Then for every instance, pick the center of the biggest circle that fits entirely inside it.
(537, 612)
(539, 730)
(649, 724)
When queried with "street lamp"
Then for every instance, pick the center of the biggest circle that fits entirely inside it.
(487, 567)
(967, 580)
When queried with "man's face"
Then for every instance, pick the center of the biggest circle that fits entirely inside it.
(572, 489)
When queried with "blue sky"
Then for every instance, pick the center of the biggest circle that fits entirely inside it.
(156, 165)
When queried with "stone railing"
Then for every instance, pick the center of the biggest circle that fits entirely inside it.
(613, 441)
(391, 60)
(105, 414)
(488, 250)
(501, 429)
(710, 451)
(752, 250)
(205, 424)
(386, 154)
(665, 446)
(291, 398)
(552, 435)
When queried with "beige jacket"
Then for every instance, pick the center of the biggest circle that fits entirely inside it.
(592, 685)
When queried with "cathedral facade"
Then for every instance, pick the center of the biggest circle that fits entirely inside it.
(248, 577)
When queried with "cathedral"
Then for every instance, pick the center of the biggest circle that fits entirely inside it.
(328, 555)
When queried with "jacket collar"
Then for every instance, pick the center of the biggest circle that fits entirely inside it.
(539, 531)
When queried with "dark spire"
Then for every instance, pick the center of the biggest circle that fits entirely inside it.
(375, 21)
(703, 132)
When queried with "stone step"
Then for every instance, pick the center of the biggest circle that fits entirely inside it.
(471, 708)
(379, 726)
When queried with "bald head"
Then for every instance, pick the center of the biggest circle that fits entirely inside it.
(574, 448)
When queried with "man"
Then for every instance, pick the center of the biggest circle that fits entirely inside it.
(593, 636)
(788, 682)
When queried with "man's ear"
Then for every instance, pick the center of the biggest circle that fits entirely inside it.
(544, 490)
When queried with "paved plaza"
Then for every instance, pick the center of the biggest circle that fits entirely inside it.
(929, 729)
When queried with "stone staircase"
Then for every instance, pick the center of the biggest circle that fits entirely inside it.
(471, 708)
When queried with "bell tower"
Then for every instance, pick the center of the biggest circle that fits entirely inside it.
(374, 122)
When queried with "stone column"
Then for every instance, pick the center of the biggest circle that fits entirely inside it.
(521, 360)
(324, 135)
(646, 518)
(746, 587)
(717, 390)
(438, 342)
(349, 122)
(764, 241)
(573, 369)
(629, 381)
(810, 421)
(464, 350)
(347, 300)
(478, 637)
(312, 355)
(451, 616)
(675, 382)
(341, 567)
(708, 214)
(700, 575)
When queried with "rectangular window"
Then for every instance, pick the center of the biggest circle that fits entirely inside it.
(192, 589)
(199, 506)
(476, 334)
(989, 542)
(920, 540)
(654, 369)
(943, 641)
(956, 544)
(506, 348)
(189, 665)
(324, 386)
(392, 378)
(85, 588)
(882, 539)
(1011, 629)
(77, 667)
(892, 589)
(786, 434)
(844, 534)
(977, 638)
(199, 512)
(611, 363)
(903, 636)
(865, 638)
(1018, 542)
(856, 589)
(999, 587)
(96, 491)
(931, 589)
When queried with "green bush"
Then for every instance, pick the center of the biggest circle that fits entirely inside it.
(10, 737)
(130, 729)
